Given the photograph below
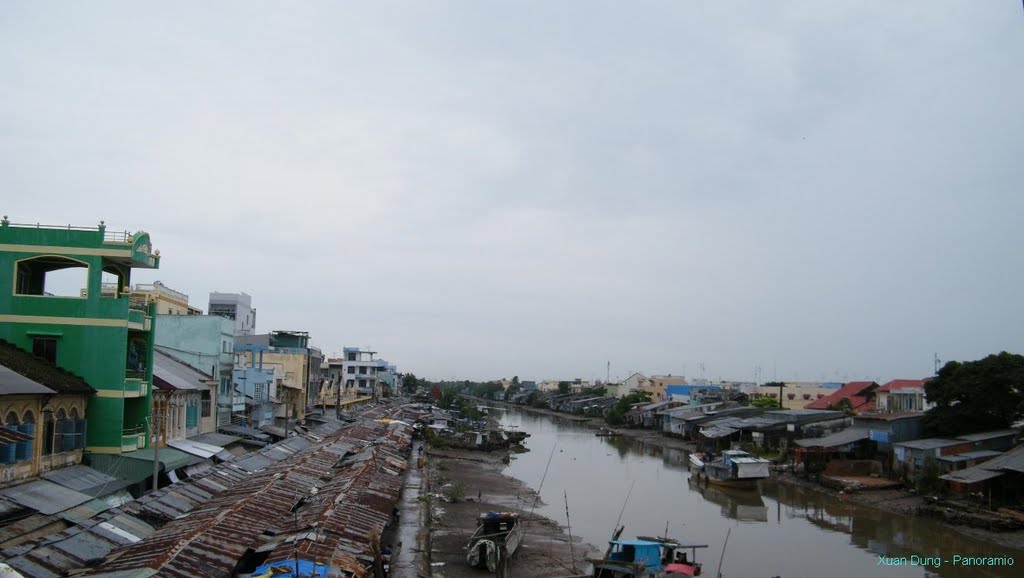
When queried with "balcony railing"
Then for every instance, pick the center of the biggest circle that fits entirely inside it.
(133, 439)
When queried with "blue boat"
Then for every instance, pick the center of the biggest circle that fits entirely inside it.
(647, 557)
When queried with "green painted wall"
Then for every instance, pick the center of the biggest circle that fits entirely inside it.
(86, 343)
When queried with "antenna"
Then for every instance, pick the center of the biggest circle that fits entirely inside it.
(608, 372)
(937, 362)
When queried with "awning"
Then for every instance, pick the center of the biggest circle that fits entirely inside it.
(136, 466)
(200, 449)
(170, 458)
(717, 431)
(86, 480)
(44, 497)
(274, 430)
(245, 432)
(9, 436)
(215, 439)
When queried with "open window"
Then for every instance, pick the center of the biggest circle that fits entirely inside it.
(112, 282)
(52, 275)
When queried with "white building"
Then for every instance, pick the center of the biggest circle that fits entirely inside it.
(360, 372)
(235, 306)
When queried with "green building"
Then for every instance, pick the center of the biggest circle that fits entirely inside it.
(96, 331)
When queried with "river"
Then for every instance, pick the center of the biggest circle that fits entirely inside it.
(779, 530)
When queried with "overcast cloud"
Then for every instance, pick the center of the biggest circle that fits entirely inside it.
(827, 190)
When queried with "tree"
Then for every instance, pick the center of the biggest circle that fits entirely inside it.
(975, 396)
(844, 406)
(765, 403)
(410, 382)
(563, 387)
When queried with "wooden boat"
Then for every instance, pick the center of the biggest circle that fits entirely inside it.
(735, 468)
(647, 557)
(497, 536)
(607, 432)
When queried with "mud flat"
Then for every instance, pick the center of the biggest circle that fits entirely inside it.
(908, 504)
(474, 483)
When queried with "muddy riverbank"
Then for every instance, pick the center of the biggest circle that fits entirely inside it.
(462, 485)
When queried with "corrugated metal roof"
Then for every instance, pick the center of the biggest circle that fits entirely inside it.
(989, 435)
(929, 443)
(12, 383)
(355, 499)
(170, 458)
(245, 432)
(971, 475)
(86, 480)
(215, 439)
(967, 456)
(173, 374)
(200, 449)
(44, 497)
(1012, 460)
(717, 431)
(839, 438)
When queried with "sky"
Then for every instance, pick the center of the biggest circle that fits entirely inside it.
(821, 190)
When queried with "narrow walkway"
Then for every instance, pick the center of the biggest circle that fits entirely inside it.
(408, 559)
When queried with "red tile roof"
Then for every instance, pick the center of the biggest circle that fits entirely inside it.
(902, 383)
(860, 394)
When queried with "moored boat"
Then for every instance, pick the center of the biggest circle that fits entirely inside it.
(607, 432)
(647, 557)
(734, 468)
(497, 536)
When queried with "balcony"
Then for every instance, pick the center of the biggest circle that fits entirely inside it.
(133, 439)
(134, 386)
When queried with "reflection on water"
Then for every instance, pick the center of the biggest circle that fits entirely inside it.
(744, 505)
(779, 531)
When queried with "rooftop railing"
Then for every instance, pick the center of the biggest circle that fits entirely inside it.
(108, 236)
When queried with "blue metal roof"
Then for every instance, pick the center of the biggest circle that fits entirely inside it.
(634, 543)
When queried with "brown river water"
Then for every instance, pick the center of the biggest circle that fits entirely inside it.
(778, 530)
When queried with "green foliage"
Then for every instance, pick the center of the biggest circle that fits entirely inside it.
(512, 390)
(765, 403)
(563, 387)
(928, 481)
(615, 416)
(842, 405)
(454, 492)
(410, 383)
(975, 396)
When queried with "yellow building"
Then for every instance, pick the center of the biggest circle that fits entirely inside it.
(656, 384)
(167, 300)
(291, 373)
(43, 412)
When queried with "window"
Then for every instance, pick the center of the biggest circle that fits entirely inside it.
(204, 403)
(791, 396)
(45, 348)
(53, 276)
(352, 369)
(807, 396)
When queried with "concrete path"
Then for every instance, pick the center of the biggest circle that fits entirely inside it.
(409, 560)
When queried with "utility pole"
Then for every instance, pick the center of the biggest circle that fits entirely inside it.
(154, 429)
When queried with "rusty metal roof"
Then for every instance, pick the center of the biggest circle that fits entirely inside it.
(356, 498)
